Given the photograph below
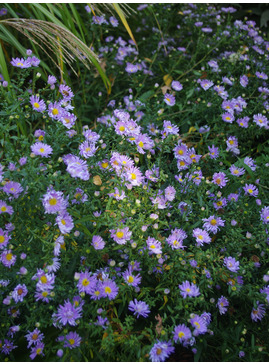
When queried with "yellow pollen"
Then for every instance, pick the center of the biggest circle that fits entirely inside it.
(231, 142)
(255, 312)
(180, 152)
(12, 189)
(53, 201)
(40, 137)
(35, 336)
(36, 104)
(72, 341)
(121, 128)
(228, 118)
(39, 350)
(133, 175)
(55, 111)
(241, 124)
(141, 144)
(119, 234)
(130, 279)
(44, 294)
(159, 351)
(42, 150)
(97, 293)
(19, 64)
(213, 222)
(104, 165)
(219, 203)
(2, 239)
(20, 291)
(200, 237)
(218, 181)
(67, 120)
(168, 99)
(88, 149)
(43, 279)
(152, 246)
(85, 282)
(182, 163)
(181, 334)
(9, 256)
(236, 171)
(188, 289)
(3, 208)
(250, 190)
(197, 324)
(108, 290)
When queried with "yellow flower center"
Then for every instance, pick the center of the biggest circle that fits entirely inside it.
(108, 290)
(43, 279)
(3, 208)
(35, 336)
(36, 104)
(38, 351)
(104, 165)
(85, 282)
(182, 163)
(181, 334)
(236, 171)
(42, 150)
(72, 341)
(121, 128)
(228, 118)
(213, 222)
(130, 279)
(63, 222)
(19, 64)
(40, 138)
(188, 289)
(141, 144)
(218, 181)
(55, 111)
(200, 237)
(119, 234)
(9, 256)
(180, 152)
(88, 149)
(133, 175)
(2, 239)
(44, 294)
(219, 203)
(152, 246)
(197, 324)
(159, 351)
(20, 291)
(250, 190)
(53, 201)
(67, 120)
(175, 242)
(231, 142)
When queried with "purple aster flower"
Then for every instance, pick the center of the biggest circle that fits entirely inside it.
(51, 80)
(77, 167)
(170, 193)
(68, 119)
(79, 197)
(13, 330)
(199, 324)
(181, 333)
(176, 85)
(54, 266)
(236, 171)
(258, 312)
(250, 162)
(170, 128)
(251, 190)
(86, 283)
(213, 223)
(228, 117)
(7, 258)
(42, 149)
(121, 236)
(37, 350)
(54, 202)
(37, 104)
(22, 161)
(68, 314)
(13, 189)
(72, 340)
(206, 84)
(45, 280)
(261, 75)
(131, 279)
(188, 289)
(241, 354)
(244, 81)
(34, 61)
(228, 106)
(140, 308)
(20, 291)
(134, 176)
(220, 179)
(231, 264)
(7, 347)
(265, 215)
(43, 295)
(66, 92)
(219, 204)
(154, 245)
(55, 110)
(243, 123)
(113, 21)
(222, 304)
(143, 142)
(34, 337)
(20, 63)
(4, 238)
(87, 149)
(161, 351)
(201, 237)
(169, 99)
(131, 68)
(213, 152)
(260, 120)
(175, 239)
(97, 242)
(65, 222)
(109, 289)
